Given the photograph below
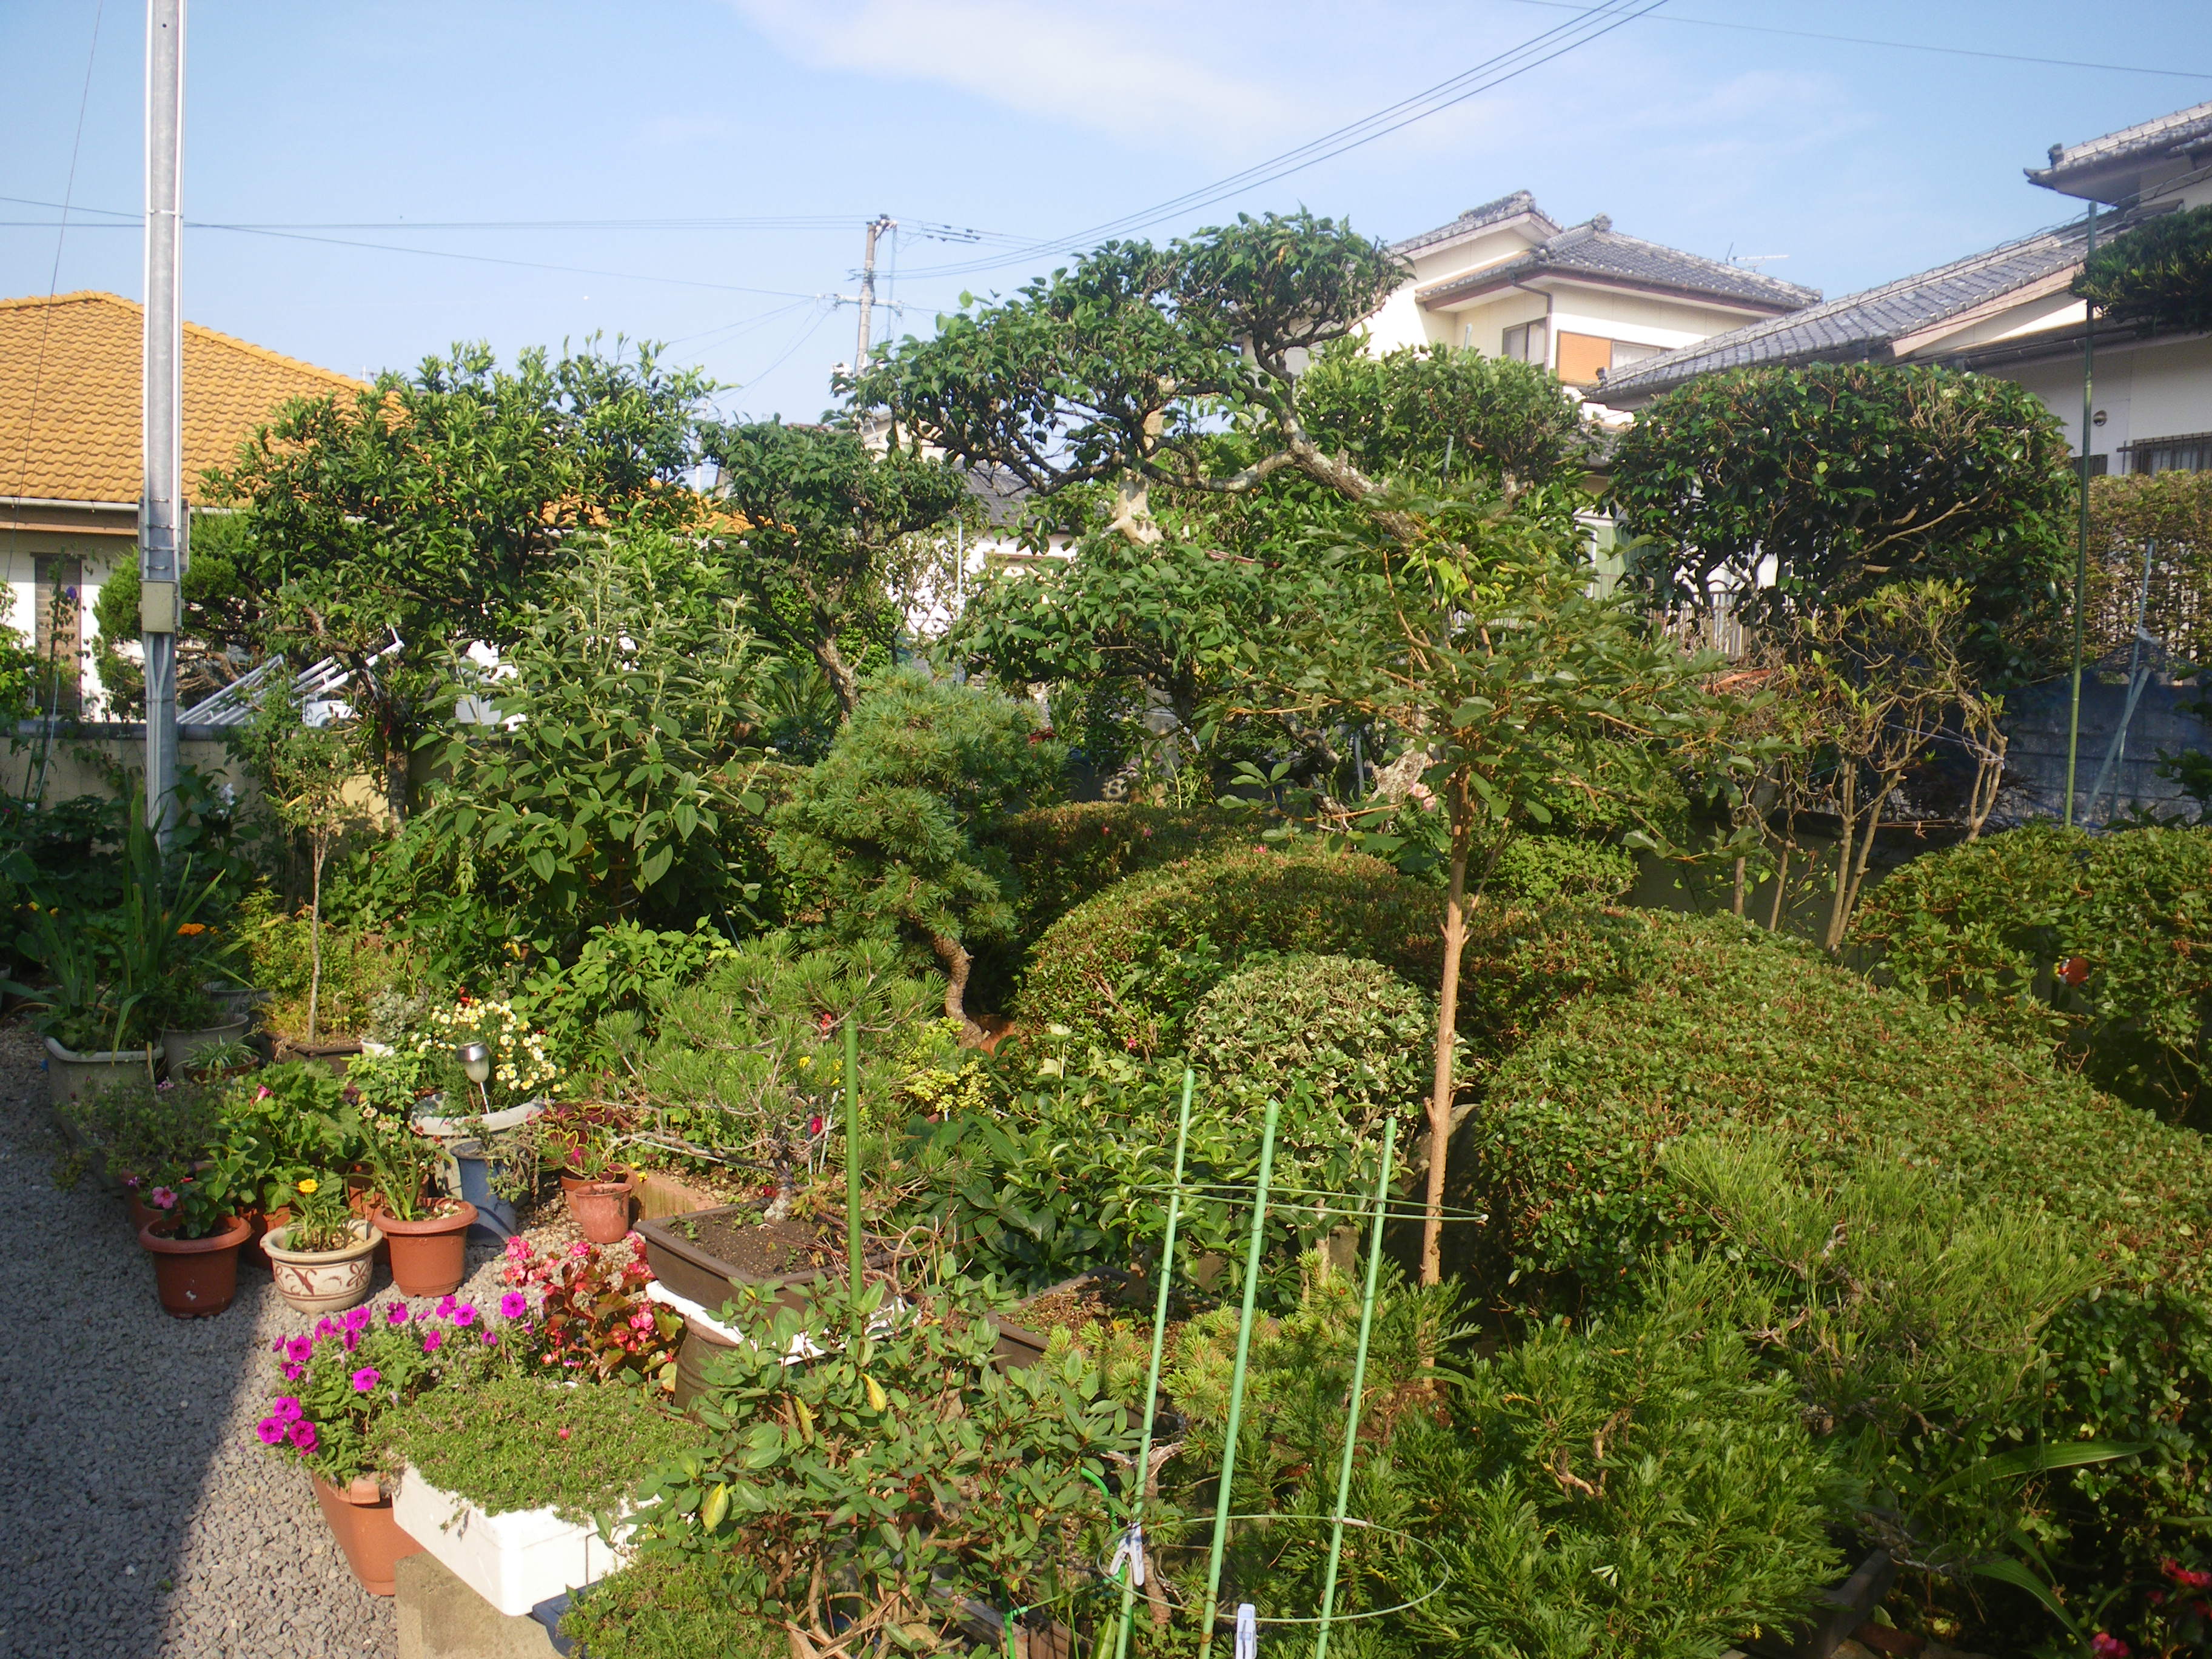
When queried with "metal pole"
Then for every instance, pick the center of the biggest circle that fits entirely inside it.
(161, 510)
(1152, 1375)
(1358, 1388)
(2081, 551)
(1236, 1380)
(877, 227)
(852, 1159)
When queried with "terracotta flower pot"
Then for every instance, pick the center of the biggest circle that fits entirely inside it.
(599, 1207)
(428, 1258)
(375, 1543)
(323, 1281)
(196, 1277)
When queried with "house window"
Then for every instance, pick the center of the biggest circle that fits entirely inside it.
(2190, 452)
(1527, 343)
(59, 634)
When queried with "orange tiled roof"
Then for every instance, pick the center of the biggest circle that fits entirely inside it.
(82, 444)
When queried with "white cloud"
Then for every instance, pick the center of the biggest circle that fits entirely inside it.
(1108, 70)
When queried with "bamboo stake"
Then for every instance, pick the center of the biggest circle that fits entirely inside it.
(853, 1165)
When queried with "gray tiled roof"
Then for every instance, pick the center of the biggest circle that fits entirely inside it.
(1596, 249)
(1490, 213)
(1862, 326)
(2184, 129)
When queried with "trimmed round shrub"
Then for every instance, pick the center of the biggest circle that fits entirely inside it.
(1731, 1032)
(1547, 869)
(1066, 854)
(2099, 945)
(1352, 1031)
(1128, 965)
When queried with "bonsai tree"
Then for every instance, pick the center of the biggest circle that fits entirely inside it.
(890, 835)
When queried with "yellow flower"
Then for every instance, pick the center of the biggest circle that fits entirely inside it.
(308, 1186)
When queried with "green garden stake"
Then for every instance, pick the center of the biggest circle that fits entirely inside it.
(1359, 1384)
(1152, 1376)
(852, 1167)
(1236, 1380)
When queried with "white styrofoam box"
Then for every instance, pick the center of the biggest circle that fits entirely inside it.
(515, 1561)
(803, 1346)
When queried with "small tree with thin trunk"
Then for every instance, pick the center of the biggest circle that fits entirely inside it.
(311, 783)
(1478, 637)
(888, 836)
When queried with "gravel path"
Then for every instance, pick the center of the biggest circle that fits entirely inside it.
(138, 1514)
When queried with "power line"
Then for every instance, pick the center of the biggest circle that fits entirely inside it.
(1589, 24)
(1901, 46)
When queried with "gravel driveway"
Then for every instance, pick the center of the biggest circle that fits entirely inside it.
(138, 1516)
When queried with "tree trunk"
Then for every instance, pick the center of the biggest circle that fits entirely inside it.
(844, 684)
(1440, 1097)
(1736, 906)
(957, 963)
(318, 851)
(1850, 823)
(1781, 885)
(1133, 511)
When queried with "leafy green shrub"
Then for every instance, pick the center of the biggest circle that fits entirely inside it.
(528, 1442)
(2157, 275)
(1066, 854)
(1352, 1031)
(1729, 1030)
(1127, 965)
(1639, 1487)
(668, 1606)
(1543, 870)
(2097, 945)
(860, 1497)
(358, 966)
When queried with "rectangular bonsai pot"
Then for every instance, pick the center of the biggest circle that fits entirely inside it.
(514, 1561)
(696, 1272)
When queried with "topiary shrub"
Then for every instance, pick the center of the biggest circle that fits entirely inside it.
(1352, 1031)
(2096, 946)
(1543, 870)
(2157, 275)
(1732, 1030)
(1066, 854)
(1127, 965)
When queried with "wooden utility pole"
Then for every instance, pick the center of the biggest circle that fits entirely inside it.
(162, 528)
(877, 227)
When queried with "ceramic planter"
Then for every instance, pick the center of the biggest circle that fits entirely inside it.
(361, 1517)
(323, 1281)
(181, 1049)
(515, 1561)
(72, 1076)
(600, 1207)
(428, 1258)
(473, 1172)
(196, 1277)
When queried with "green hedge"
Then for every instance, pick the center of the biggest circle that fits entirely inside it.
(1729, 1030)
(1127, 965)
(1066, 854)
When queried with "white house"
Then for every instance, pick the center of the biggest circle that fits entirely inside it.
(2007, 311)
(1585, 300)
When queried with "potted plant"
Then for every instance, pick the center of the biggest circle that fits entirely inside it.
(426, 1236)
(216, 1061)
(80, 1023)
(322, 1257)
(580, 1142)
(336, 1383)
(195, 1246)
(193, 1022)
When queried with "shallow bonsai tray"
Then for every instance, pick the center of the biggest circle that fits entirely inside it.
(697, 1274)
(515, 1561)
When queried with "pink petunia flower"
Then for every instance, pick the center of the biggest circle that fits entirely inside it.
(464, 1315)
(269, 1430)
(292, 1373)
(299, 1350)
(396, 1314)
(446, 1305)
(366, 1378)
(513, 1305)
(433, 1340)
(162, 1199)
(289, 1410)
(302, 1435)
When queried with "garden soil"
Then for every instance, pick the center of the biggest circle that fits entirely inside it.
(139, 1516)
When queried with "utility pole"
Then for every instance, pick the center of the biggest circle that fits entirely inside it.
(162, 528)
(877, 227)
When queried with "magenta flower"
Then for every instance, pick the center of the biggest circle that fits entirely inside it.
(288, 1410)
(464, 1315)
(513, 1305)
(580, 1250)
(292, 1373)
(444, 1307)
(517, 1248)
(356, 1319)
(640, 1320)
(2106, 1646)
(269, 1430)
(262, 1092)
(278, 1346)
(491, 1338)
(324, 1328)
(302, 1435)
(396, 1314)
(162, 1199)
(351, 1340)
(433, 1340)
(366, 1378)
(299, 1350)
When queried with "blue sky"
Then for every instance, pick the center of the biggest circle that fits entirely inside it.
(1027, 120)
